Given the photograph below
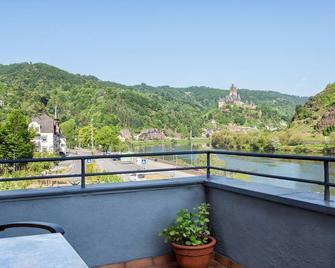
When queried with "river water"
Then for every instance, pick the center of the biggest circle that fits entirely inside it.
(292, 168)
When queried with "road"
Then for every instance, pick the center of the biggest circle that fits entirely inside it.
(110, 165)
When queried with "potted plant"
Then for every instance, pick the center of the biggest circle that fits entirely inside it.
(190, 237)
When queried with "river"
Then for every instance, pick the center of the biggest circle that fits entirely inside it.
(292, 168)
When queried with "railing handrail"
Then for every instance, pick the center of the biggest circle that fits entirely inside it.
(212, 151)
(102, 156)
(82, 158)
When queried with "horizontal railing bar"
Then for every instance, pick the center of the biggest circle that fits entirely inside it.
(269, 176)
(247, 154)
(162, 170)
(276, 156)
(60, 176)
(100, 173)
(144, 171)
(55, 159)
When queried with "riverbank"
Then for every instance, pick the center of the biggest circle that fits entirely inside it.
(173, 142)
(323, 149)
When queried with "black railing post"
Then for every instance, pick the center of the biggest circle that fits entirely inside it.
(83, 170)
(326, 180)
(208, 164)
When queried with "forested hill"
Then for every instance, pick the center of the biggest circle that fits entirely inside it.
(318, 113)
(275, 106)
(39, 88)
(208, 96)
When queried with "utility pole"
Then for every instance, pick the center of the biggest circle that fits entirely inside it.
(163, 149)
(14, 159)
(56, 112)
(191, 147)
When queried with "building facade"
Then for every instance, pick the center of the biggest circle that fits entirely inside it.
(151, 134)
(125, 135)
(48, 136)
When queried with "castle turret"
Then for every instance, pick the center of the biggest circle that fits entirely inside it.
(233, 91)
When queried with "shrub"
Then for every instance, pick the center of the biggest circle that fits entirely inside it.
(301, 149)
(223, 140)
(332, 137)
(328, 130)
(295, 139)
(92, 168)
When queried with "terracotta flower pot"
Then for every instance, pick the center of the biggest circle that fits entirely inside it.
(194, 256)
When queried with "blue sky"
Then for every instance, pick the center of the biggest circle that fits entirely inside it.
(287, 46)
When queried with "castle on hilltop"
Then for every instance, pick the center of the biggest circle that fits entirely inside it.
(235, 99)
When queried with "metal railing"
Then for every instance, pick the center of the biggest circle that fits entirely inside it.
(326, 183)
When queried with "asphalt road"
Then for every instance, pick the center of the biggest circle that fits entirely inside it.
(110, 165)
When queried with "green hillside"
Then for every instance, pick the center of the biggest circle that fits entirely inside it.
(274, 107)
(318, 113)
(39, 88)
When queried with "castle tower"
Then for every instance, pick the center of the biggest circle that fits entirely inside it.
(233, 91)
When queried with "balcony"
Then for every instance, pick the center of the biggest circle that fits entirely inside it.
(256, 225)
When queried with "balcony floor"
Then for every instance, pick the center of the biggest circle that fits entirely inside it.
(168, 261)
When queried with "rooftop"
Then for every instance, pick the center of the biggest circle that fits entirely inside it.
(47, 124)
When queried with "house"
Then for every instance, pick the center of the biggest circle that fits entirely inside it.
(62, 142)
(151, 134)
(125, 135)
(48, 136)
(240, 129)
(207, 133)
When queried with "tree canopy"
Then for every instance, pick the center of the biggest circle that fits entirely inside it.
(15, 137)
(107, 138)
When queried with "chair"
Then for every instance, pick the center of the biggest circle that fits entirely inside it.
(51, 227)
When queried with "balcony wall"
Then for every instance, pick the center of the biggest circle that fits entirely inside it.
(109, 223)
(257, 226)
(262, 226)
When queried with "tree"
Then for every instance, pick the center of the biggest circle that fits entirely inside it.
(295, 139)
(86, 136)
(69, 129)
(239, 120)
(332, 137)
(15, 137)
(107, 138)
(223, 140)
